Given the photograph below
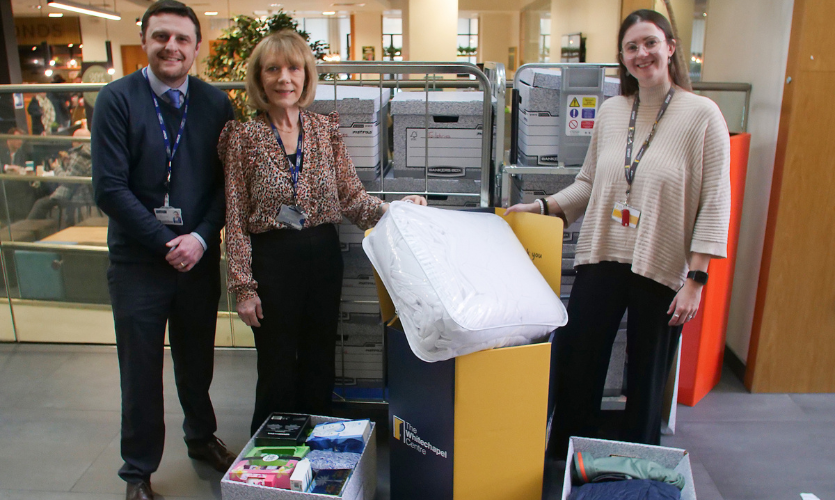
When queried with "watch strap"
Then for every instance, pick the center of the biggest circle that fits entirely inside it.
(698, 276)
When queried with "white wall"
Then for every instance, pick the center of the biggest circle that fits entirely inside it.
(432, 33)
(498, 31)
(748, 41)
(368, 32)
(598, 20)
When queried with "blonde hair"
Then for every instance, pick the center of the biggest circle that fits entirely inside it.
(291, 49)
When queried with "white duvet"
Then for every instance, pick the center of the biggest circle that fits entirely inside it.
(461, 281)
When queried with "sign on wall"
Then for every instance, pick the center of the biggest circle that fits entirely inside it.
(52, 30)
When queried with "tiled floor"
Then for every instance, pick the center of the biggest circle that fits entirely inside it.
(59, 433)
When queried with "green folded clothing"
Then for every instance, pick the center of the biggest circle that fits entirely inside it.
(587, 469)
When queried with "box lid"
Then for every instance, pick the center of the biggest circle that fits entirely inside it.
(350, 99)
(552, 79)
(458, 103)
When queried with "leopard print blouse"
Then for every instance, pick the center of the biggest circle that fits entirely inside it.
(258, 182)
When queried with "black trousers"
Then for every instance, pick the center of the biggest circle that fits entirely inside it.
(299, 275)
(581, 350)
(145, 296)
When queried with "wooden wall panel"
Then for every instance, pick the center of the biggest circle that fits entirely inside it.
(793, 337)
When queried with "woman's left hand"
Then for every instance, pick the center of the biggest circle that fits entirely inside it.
(417, 200)
(685, 305)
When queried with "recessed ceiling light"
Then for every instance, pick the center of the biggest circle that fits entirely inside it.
(56, 14)
(328, 13)
(211, 13)
(275, 5)
(48, 72)
(84, 9)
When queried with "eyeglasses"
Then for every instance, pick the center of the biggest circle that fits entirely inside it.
(651, 46)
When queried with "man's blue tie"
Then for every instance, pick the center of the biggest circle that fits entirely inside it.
(173, 97)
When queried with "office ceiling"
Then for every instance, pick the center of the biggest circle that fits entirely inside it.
(302, 8)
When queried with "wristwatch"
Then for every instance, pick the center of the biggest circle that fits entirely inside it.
(699, 277)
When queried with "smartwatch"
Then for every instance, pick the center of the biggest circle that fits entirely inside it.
(699, 277)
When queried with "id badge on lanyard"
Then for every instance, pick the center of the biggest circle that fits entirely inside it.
(166, 214)
(292, 215)
(625, 214)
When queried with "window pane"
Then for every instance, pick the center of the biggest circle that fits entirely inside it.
(474, 26)
(398, 41)
(463, 25)
(317, 29)
(544, 26)
(393, 25)
(463, 41)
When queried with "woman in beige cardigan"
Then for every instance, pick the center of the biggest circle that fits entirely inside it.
(654, 217)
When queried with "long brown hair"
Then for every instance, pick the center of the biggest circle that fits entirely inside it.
(678, 75)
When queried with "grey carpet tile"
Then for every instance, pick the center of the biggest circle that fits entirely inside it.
(78, 382)
(178, 475)
(705, 487)
(816, 406)
(738, 407)
(70, 439)
(53, 495)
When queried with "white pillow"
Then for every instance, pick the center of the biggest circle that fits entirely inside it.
(461, 281)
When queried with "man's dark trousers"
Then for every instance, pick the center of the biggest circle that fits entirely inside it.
(144, 297)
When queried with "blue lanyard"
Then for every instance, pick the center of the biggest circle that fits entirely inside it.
(294, 169)
(169, 151)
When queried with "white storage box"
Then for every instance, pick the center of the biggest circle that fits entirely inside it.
(362, 485)
(540, 115)
(454, 135)
(361, 123)
(671, 458)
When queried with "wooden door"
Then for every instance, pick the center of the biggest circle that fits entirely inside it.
(133, 58)
(793, 334)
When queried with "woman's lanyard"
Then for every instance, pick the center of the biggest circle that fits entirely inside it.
(294, 169)
(169, 151)
(632, 166)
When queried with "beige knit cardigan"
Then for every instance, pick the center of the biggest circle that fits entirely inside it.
(682, 186)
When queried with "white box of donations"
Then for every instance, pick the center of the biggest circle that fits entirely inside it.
(361, 485)
(543, 124)
(444, 135)
(671, 458)
(362, 112)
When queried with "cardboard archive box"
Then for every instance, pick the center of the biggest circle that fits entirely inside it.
(362, 485)
(556, 117)
(457, 423)
(453, 135)
(671, 458)
(362, 123)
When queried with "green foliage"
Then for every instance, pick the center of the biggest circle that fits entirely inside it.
(391, 51)
(235, 45)
(467, 51)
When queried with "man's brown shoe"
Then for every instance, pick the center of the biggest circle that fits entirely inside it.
(139, 491)
(213, 452)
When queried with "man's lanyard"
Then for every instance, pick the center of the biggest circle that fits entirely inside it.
(169, 151)
(632, 166)
(294, 169)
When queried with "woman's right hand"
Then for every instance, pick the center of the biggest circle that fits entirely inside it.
(524, 207)
(250, 311)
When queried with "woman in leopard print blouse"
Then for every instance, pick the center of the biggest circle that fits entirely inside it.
(286, 165)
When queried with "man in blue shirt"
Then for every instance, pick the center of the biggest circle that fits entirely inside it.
(157, 175)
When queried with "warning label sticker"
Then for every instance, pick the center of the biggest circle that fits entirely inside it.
(585, 108)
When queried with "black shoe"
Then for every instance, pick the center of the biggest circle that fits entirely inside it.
(139, 491)
(213, 452)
